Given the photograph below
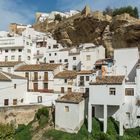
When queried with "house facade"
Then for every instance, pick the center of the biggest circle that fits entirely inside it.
(12, 89)
(71, 108)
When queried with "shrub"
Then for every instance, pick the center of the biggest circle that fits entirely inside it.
(42, 112)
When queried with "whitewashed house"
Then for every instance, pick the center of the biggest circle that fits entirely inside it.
(125, 62)
(106, 97)
(84, 77)
(9, 66)
(11, 48)
(40, 86)
(12, 89)
(90, 54)
(65, 81)
(70, 112)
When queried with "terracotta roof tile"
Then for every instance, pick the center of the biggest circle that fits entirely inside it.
(83, 72)
(38, 67)
(13, 76)
(4, 77)
(72, 98)
(9, 63)
(110, 80)
(66, 74)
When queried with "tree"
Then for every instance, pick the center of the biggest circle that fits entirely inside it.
(108, 11)
(58, 17)
(133, 11)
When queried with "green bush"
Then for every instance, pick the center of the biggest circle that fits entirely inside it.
(96, 126)
(112, 128)
(42, 112)
(7, 132)
(23, 132)
(42, 116)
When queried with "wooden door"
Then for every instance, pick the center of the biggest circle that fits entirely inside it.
(69, 90)
(6, 102)
(14, 101)
(62, 90)
(35, 76)
(46, 76)
(35, 87)
(81, 80)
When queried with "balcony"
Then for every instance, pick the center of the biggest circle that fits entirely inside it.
(81, 83)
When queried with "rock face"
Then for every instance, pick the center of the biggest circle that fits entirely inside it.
(118, 32)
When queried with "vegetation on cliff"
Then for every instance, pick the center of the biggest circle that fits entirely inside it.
(133, 11)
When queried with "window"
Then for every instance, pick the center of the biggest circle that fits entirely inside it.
(65, 80)
(87, 78)
(12, 57)
(112, 91)
(19, 50)
(129, 92)
(14, 101)
(0, 51)
(6, 58)
(6, 50)
(74, 58)
(74, 67)
(19, 58)
(27, 43)
(9, 70)
(31, 44)
(39, 98)
(55, 46)
(28, 58)
(138, 117)
(49, 54)
(27, 75)
(66, 108)
(66, 60)
(45, 85)
(88, 57)
(13, 50)
(49, 47)
(6, 102)
(15, 86)
(55, 54)
(60, 60)
(51, 61)
(28, 51)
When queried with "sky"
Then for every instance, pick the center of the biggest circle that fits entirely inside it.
(23, 11)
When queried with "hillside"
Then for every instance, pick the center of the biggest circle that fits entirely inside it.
(120, 31)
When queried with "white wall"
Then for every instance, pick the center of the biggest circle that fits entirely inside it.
(7, 91)
(125, 61)
(99, 95)
(69, 121)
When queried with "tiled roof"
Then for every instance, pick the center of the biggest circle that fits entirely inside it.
(4, 77)
(9, 63)
(72, 98)
(13, 76)
(83, 72)
(38, 67)
(68, 74)
(110, 80)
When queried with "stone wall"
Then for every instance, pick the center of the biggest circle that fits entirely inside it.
(18, 114)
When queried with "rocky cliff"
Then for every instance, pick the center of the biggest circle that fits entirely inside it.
(117, 32)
